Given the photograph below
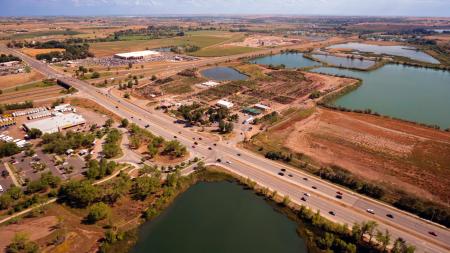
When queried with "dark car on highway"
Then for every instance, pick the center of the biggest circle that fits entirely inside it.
(281, 173)
(390, 216)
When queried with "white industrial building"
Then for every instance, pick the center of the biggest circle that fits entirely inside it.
(138, 55)
(224, 103)
(208, 84)
(262, 107)
(57, 123)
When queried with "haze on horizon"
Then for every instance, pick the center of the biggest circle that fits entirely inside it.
(438, 8)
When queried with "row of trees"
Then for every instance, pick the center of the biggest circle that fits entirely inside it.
(155, 144)
(98, 170)
(15, 106)
(340, 176)
(111, 147)
(195, 114)
(8, 149)
(59, 143)
(7, 58)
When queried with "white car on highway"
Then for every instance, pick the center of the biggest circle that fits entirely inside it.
(370, 211)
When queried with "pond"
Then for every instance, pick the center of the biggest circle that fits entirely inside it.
(219, 217)
(290, 60)
(344, 61)
(404, 51)
(223, 74)
(415, 94)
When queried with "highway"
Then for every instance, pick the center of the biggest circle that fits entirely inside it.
(350, 209)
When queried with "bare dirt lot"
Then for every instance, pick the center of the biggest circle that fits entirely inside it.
(35, 229)
(35, 51)
(9, 81)
(387, 151)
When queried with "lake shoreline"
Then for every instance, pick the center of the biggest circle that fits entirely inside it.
(303, 217)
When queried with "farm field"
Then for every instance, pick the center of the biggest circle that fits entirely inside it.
(203, 39)
(35, 51)
(216, 51)
(9, 81)
(389, 152)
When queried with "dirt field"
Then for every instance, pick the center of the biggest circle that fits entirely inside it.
(32, 94)
(394, 153)
(265, 41)
(36, 228)
(9, 81)
(35, 51)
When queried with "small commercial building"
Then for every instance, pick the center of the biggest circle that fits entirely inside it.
(252, 111)
(208, 84)
(262, 107)
(57, 123)
(224, 103)
(138, 55)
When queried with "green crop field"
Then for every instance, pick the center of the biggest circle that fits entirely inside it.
(43, 33)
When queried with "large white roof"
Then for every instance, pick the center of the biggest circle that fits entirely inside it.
(138, 54)
(225, 103)
(54, 124)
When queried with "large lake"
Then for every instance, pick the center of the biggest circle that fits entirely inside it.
(290, 60)
(409, 52)
(416, 94)
(344, 61)
(223, 74)
(221, 218)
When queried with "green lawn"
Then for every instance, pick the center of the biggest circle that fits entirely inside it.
(38, 84)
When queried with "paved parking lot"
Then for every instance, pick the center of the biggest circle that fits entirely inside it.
(71, 167)
(5, 182)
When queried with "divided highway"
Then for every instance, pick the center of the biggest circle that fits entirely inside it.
(350, 209)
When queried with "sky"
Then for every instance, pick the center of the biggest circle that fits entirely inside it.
(439, 8)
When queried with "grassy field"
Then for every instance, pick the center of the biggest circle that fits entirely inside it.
(30, 35)
(181, 86)
(38, 84)
(216, 51)
(201, 39)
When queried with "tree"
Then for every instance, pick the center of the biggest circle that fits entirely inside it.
(174, 148)
(383, 239)
(152, 150)
(124, 123)
(371, 228)
(8, 149)
(400, 246)
(98, 211)
(109, 122)
(34, 133)
(21, 243)
(5, 201)
(15, 192)
(95, 75)
(144, 186)
(78, 193)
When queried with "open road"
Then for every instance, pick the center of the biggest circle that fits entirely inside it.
(350, 209)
